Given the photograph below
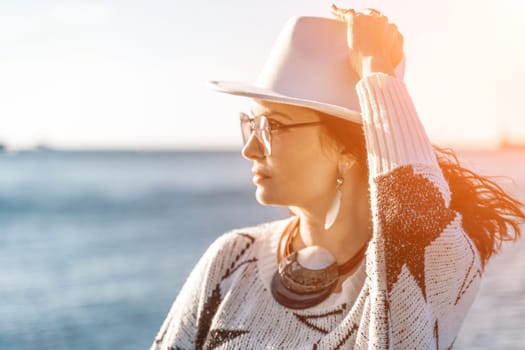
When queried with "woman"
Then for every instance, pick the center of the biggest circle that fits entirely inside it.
(388, 237)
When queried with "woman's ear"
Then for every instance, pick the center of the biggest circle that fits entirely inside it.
(346, 162)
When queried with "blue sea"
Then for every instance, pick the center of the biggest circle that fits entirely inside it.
(94, 246)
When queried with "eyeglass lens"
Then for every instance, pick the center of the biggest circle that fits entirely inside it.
(262, 130)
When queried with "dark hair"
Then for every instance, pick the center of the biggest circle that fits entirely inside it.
(490, 215)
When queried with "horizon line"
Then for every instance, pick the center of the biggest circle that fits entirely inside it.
(201, 149)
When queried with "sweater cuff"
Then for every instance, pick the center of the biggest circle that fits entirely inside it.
(394, 133)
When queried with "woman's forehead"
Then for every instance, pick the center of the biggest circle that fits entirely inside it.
(263, 107)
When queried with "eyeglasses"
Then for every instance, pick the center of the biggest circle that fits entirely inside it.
(263, 128)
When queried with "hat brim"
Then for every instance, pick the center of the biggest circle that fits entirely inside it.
(246, 90)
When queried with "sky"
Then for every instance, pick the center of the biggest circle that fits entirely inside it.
(133, 74)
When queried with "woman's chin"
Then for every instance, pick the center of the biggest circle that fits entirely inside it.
(264, 197)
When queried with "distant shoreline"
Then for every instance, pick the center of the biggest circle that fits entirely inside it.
(5, 149)
(43, 148)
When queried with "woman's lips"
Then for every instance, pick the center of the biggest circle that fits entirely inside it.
(259, 177)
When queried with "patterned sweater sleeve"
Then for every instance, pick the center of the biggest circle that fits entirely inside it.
(185, 319)
(424, 270)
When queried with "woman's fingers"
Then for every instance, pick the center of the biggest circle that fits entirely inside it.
(341, 14)
(370, 34)
(397, 48)
(374, 13)
(371, 11)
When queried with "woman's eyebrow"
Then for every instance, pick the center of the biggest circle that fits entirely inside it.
(269, 112)
(279, 114)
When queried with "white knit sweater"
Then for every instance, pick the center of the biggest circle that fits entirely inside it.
(419, 278)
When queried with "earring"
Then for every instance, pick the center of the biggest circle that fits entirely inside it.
(331, 215)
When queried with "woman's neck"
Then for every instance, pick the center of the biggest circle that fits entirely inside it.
(350, 231)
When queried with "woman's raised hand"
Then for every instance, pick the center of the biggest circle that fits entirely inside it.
(375, 44)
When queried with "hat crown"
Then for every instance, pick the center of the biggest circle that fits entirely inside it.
(310, 61)
(308, 66)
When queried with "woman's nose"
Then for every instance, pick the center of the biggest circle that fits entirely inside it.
(253, 149)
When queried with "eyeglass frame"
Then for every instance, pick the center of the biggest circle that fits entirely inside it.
(270, 125)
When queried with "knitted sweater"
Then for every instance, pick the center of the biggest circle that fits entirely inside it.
(413, 290)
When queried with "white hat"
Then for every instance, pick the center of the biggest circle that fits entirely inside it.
(308, 66)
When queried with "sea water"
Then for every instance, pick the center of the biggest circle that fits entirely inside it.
(94, 246)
